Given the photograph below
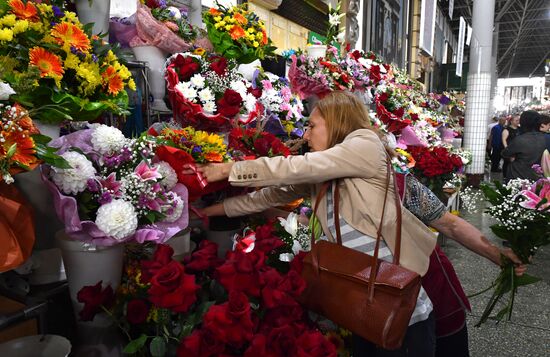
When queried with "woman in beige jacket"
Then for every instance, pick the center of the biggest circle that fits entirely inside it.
(346, 150)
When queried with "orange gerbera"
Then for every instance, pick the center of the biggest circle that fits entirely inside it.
(24, 152)
(114, 81)
(237, 32)
(24, 11)
(240, 19)
(48, 63)
(67, 33)
(213, 157)
(214, 12)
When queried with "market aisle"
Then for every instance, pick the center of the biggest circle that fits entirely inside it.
(528, 334)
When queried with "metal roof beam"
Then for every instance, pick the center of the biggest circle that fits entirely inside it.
(503, 10)
(540, 63)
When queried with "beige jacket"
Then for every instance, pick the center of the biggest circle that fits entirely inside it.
(360, 164)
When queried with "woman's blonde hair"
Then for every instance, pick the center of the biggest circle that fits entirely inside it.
(343, 113)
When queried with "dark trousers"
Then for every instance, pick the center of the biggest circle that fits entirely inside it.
(419, 341)
(455, 345)
(495, 159)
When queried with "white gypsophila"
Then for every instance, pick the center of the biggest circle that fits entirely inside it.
(177, 210)
(239, 87)
(209, 107)
(8, 179)
(5, 91)
(250, 102)
(169, 176)
(286, 257)
(73, 180)
(107, 139)
(117, 219)
(206, 95)
(198, 81)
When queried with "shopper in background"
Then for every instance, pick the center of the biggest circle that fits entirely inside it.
(508, 134)
(496, 144)
(545, 128)
(527, 148)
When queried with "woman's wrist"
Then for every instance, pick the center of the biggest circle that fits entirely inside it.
(226, 169)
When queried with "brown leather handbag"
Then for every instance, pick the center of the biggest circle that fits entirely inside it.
(370, 297)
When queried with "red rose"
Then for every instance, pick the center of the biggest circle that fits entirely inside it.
(266, 240)
(281, 290)
(219, 65)
(230, 104)
(281, 341)
(314, 344)
(205, 258)
(297, 264)
(201, 343)
(241, 272)
(258, 347)
(230, 322)
(171, 288)
(356, 54)
(281, 316)
(163, 255)
(256, 92)
(383, 97)
(137, 311)
(94, 297)
(399, 112)
(279, 148)
(188, 66)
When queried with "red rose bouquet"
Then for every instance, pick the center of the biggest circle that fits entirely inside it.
(252, 143)
(207, 93)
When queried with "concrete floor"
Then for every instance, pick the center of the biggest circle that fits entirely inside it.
(528, 333)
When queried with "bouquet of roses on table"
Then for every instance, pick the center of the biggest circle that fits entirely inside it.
(281, 110)
(184, 146)
(392, 107)
(522, 209)
(371, 69)
(55, 65)
(242, 305)
(237, 33)
(248, 144)
(116, 189)
(207, 92)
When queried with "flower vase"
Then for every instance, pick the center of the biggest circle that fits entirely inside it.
(39, 197)
(86, 265)
(316, 51)
(155, 59)
(221, 231)
(96, 12)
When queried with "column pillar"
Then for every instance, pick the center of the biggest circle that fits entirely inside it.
(195, 13)
(478, 98)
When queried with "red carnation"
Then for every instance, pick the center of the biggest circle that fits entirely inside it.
(94, 297)
(137, 311)
(172, 289)
(219, 65)
(230, 104)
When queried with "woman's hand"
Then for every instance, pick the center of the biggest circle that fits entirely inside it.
(519, 268)
(211, 172)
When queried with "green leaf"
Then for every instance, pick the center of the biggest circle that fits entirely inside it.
(135, 345)
(525, 279)
(11, 150)
(41, 139)
(157, 347)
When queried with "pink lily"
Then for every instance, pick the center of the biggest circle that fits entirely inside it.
(146, 173)
(533, 199)
(111, 184)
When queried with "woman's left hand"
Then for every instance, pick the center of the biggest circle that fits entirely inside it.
(211, 172)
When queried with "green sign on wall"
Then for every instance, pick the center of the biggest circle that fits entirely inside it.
(314, 38)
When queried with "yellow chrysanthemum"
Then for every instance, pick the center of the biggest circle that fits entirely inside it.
(72, 61)
(20, 26)
(110, 57)
(91, 78)
(8, 20)
(44, 9)
(37, 26)
(6, 35)
(228, 27)
(255, 44)
(217, 18)
(70, 16)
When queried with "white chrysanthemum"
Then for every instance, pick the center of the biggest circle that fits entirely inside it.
(117, 219)
(209, 107)
(239, 87)
(176, 211)
(107, 139)
(197, 80)
(206, 95)
(73, 180)
(181, 86)
(189, 93)
(169, 176)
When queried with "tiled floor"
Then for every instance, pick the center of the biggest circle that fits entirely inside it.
(528, 333)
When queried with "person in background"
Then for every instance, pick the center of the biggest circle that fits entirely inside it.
(545, 128)
(496, 144)
(489, 128)
(508, 134)
(527, 148)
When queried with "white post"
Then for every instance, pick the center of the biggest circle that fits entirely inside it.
(478, 98)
